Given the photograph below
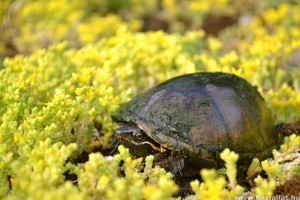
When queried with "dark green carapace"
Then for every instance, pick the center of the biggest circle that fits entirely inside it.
(196, 116)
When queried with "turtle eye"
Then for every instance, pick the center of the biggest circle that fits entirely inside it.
(138, 134)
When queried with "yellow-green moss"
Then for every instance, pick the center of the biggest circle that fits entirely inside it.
(216, 187)
(99, 178)
(51, 98)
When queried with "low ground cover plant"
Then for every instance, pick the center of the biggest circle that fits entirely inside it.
(56, 102)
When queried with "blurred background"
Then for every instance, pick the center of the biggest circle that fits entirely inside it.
(258, 40)
(28, 25)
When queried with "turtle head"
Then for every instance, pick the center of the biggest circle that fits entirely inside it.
(136, 140)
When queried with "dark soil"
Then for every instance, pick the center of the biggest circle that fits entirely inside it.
(290, 128)
(289, 188)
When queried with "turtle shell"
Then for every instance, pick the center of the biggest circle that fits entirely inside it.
(202, 113)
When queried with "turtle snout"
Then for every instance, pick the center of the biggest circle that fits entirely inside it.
(126, 129)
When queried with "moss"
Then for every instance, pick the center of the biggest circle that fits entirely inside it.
(216, 187)
(52, 97)
(99, 178)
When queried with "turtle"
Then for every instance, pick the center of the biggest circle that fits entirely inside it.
(188, 120)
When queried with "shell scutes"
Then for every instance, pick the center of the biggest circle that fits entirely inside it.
(203, 112)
